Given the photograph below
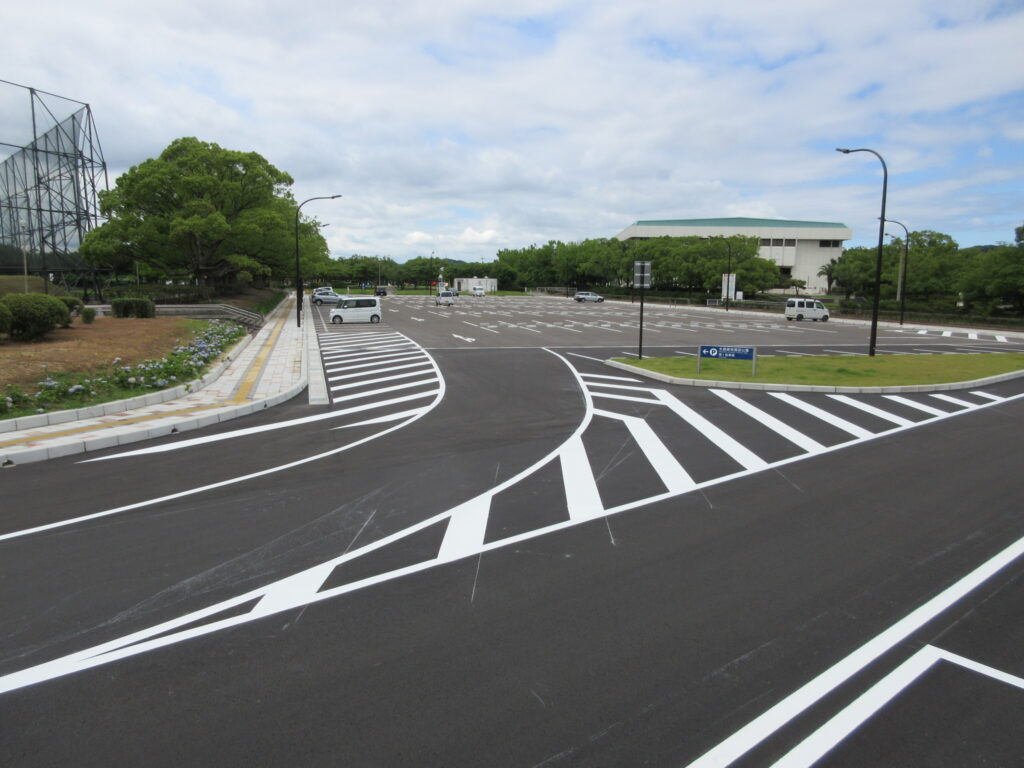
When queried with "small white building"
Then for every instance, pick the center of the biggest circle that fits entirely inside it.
(466, 284)
(800, 248)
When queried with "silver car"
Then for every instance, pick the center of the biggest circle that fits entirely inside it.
(582, 296)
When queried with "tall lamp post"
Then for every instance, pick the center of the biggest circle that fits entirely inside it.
(878, 261)
(298, 270)
(901, 285)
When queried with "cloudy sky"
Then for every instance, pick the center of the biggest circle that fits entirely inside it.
(466, 126)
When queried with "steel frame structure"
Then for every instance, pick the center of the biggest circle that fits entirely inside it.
(49, 188)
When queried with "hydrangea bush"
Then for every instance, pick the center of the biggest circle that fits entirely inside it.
(60, 391)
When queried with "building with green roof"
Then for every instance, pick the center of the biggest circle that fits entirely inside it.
(800, 248)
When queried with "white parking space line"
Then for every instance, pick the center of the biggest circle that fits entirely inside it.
(738, 452)
(885, 415)
(845, 352)
(481, 327)
(914, 404)
(797, 438)
(824, 415)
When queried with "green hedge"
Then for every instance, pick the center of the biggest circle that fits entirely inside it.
(133, 307)
(33, 315)
(5, 318)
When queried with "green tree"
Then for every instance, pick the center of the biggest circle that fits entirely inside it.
(203, 211)
(828, 271)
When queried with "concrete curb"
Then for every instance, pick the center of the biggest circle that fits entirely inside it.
(807, 388)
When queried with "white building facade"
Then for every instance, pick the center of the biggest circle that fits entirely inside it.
(800, 248)
(466, 284)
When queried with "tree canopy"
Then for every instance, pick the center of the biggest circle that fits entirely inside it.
(198, 210)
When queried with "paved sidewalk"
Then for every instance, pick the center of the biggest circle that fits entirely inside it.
(259, 372)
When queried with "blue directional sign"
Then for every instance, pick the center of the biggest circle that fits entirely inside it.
(721, 352)
(727, 353)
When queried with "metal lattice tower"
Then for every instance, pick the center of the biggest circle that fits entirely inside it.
(49, 185)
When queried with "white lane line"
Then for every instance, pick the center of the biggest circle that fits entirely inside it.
(586, 357)
(1003, 339)
(738, 452)
(379, 370)
(815, 746)
(760, 728)
(955, 401)
(369, 350)
(626, 387)
(947, 334)
(914, 404)
(671, 473)
(795, 354)
(581, 494)
(797, 438)
(824, 415)
(393, 377)
(482, 327)
(891, 418)
(844, 352)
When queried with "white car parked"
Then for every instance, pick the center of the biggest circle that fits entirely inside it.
(357, 309)
(582, 296)
(806, 309)
(445, 299)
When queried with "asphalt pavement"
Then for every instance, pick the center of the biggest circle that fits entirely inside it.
(485, 546)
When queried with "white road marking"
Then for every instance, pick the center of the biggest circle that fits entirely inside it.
(394, 377)
(797, 438)
(824, 415)
(955, 401)
(803, 698)
(738, 452)
(603, 376)
(891, 418)
(914, 404)
(581, 494)
(671, 473)
(464, 338)
(988, 395)
(375, 370)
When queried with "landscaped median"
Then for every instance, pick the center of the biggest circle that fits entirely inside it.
(834, 373)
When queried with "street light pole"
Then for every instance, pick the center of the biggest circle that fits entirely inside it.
(298, 269)
(901, 285)
(878, 261)
(729, 285)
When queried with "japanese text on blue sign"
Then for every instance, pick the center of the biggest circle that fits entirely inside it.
(727, 353)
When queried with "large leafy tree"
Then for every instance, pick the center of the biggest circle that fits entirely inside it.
(202, 211)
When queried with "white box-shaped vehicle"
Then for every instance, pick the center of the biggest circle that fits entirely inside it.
(445, 299)
(357, 309)
(478, 290)
(806, 309)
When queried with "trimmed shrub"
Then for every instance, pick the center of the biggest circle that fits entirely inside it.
(60, 311)
(88, 315)
(73, 303)
(32, 315)
(5, 318)
(136, 307)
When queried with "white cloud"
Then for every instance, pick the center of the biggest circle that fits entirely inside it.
(455, 126)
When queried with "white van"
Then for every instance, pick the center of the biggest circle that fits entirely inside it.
(806, 309)
(478, 290)
(357, 309)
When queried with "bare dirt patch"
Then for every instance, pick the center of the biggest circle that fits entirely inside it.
(87, 348)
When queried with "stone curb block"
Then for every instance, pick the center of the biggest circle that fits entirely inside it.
(809, 388)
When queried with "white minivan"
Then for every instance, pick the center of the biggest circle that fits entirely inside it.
(806, 309)
(357, 309)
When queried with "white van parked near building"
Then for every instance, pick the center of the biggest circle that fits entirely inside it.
(806, 309)
(357, 309)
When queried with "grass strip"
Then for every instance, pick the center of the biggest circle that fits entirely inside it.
(840, 370)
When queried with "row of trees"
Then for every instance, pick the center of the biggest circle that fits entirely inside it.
(211, 216)
(987, 279)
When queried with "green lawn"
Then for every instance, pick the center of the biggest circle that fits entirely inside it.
(840, 370)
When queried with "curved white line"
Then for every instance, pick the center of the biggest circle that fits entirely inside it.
(241, 478)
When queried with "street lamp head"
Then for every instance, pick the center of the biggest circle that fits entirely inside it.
(844, 151)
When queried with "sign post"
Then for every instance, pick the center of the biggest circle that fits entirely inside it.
(642, 280)
(719, 352)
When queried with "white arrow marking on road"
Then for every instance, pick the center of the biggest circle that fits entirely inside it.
(464, 338)
(417, 319)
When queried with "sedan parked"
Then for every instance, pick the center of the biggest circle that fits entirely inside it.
(582, 296)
